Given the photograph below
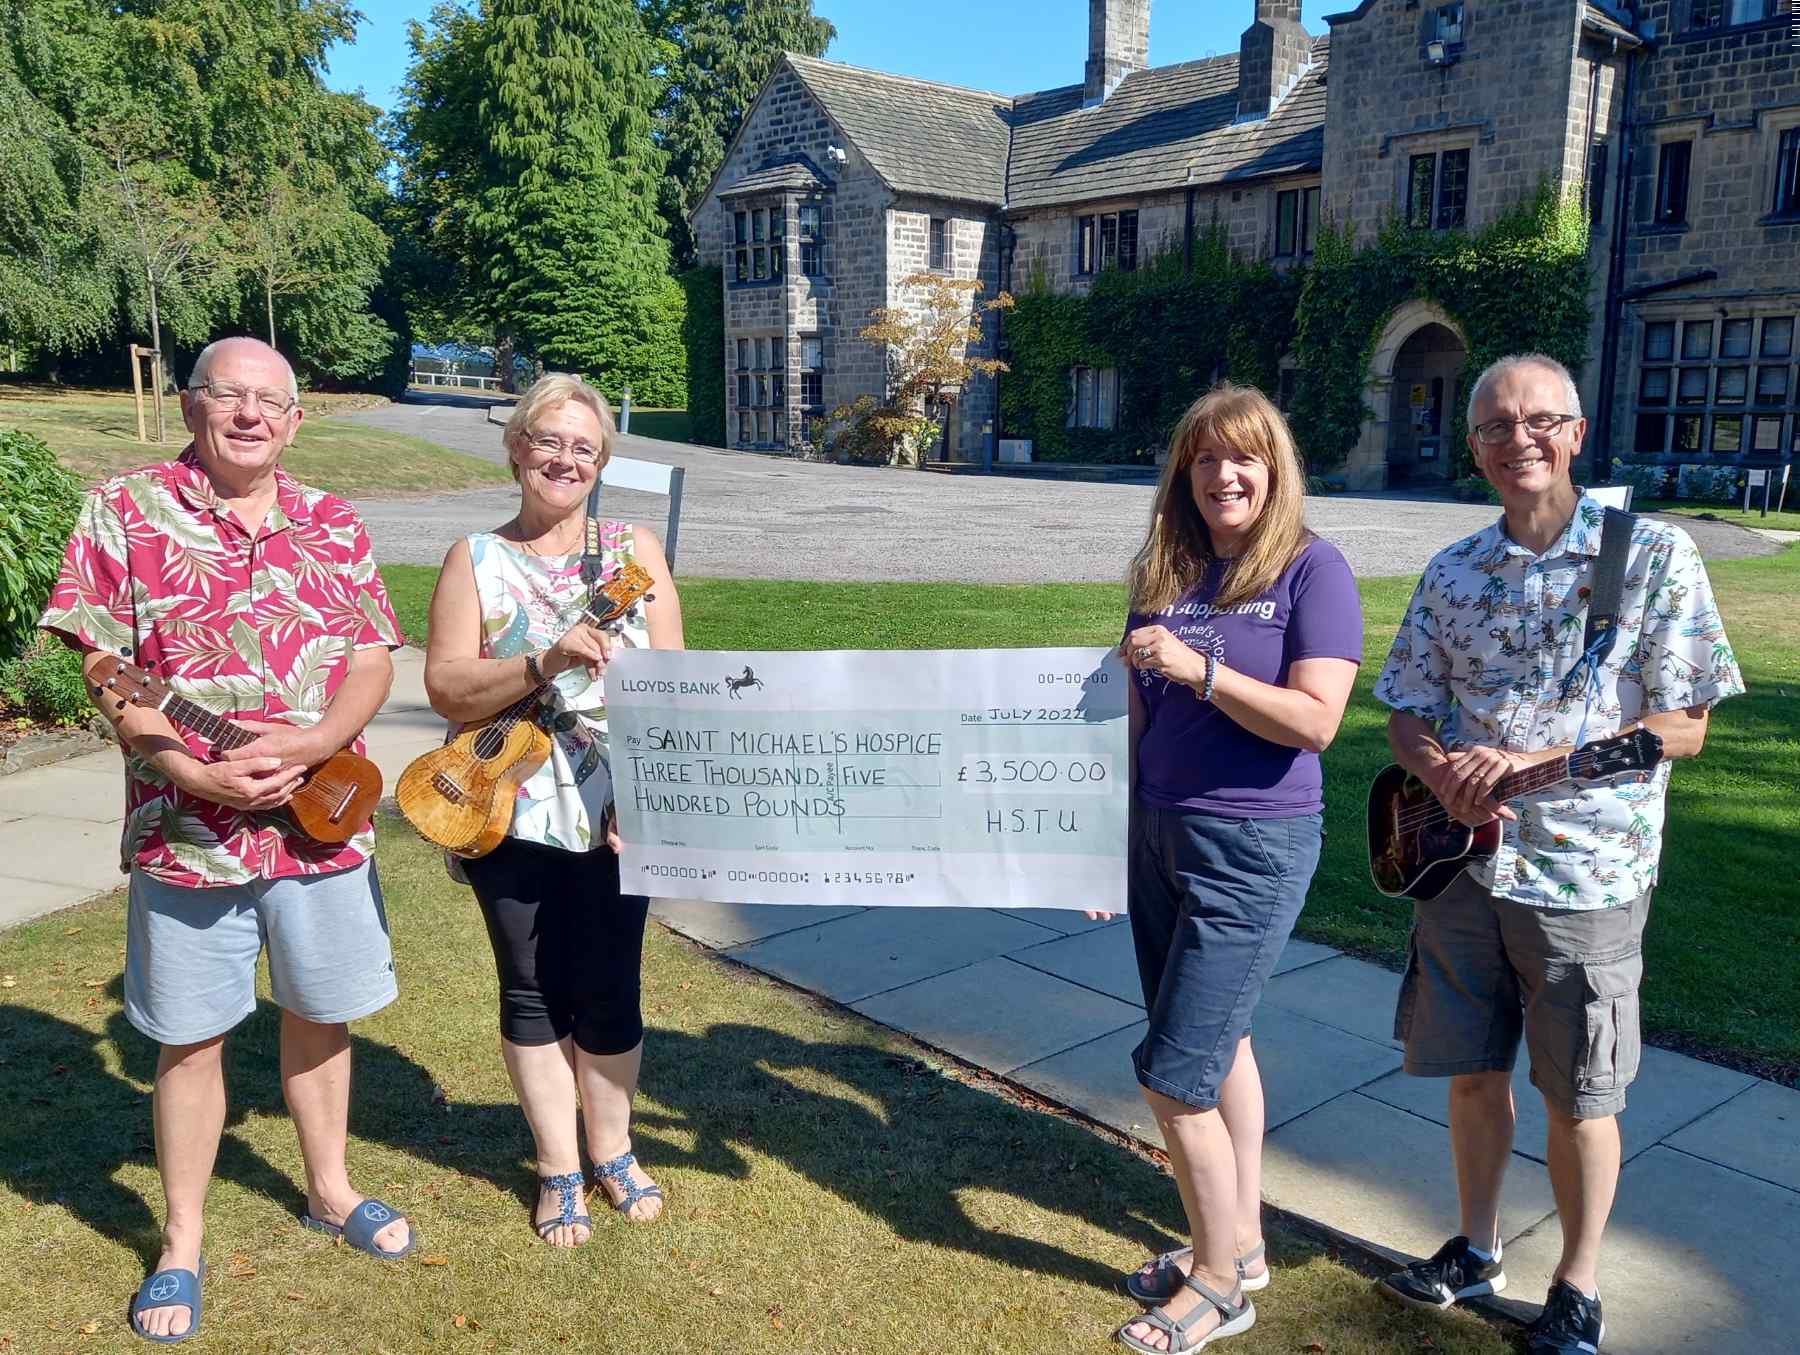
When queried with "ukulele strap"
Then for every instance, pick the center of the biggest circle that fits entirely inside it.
(590, 557)
(1604, 599)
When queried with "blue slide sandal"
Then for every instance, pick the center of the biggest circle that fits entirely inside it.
(169, 1289)
(366, 1220)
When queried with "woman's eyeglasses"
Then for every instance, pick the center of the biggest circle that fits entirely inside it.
(546, 445)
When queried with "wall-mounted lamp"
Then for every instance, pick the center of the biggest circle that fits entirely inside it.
(1437, 53)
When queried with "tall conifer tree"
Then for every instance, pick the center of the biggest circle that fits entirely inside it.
(573, 245)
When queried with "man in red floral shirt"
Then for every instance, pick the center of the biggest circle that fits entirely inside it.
(256, 597)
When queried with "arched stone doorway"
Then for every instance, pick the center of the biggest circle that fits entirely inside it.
(1415, 379)
(1426, 373)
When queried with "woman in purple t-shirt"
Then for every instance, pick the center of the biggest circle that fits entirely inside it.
(1244, 638)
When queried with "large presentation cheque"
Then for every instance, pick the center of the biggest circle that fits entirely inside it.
(986, 778)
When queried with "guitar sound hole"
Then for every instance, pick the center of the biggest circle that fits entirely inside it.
(488, 743)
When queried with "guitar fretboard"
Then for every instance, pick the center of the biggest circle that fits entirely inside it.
(1541, 776)
(203, 722)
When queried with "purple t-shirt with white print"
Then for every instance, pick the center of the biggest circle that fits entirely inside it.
(1195, 757)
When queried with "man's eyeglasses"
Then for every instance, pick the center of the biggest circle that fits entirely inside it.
(230, 395)
(1498, 432)
(546, 445)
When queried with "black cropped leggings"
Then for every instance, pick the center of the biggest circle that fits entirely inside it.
(568, 945)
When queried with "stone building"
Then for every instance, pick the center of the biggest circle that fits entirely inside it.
(1678, 124)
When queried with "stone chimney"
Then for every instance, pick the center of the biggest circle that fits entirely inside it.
(1118, 43)
(1273, 54)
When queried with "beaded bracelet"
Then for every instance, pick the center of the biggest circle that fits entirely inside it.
(1206, 688)
(536, 673)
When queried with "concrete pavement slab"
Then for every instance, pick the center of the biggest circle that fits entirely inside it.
(1383, 1177)
(723, 925)
(1304, 1064)
(1297, 954)
(21, 899)
(1102, 959)
(1097, 1080)
(1671, 1091)
(91, 794)
(1348, 993)
(1692, 1262)
(1758, 1133)
(998, 1014)
(67, 852)
(870, 952)
(1065, 920)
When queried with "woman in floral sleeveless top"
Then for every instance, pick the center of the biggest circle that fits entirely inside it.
(568, 944)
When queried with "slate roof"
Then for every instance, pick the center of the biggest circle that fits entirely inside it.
(1597, 21)
(939, 140)
(796, 173)
(1162, 128)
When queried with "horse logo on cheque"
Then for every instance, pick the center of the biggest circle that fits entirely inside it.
(735, 685)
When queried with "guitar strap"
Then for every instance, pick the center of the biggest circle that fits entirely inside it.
(1609, 585)
(1605, 596)
(590, 557)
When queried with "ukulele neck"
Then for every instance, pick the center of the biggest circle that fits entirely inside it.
(222, 732)
(1538, 776)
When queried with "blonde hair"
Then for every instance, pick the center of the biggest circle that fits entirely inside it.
(551, 391)
(1179, 547)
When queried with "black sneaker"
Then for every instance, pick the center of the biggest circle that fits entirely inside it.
(1569, 1325)
(1455, 1273)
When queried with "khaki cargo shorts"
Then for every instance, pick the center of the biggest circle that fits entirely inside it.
(1483, 970)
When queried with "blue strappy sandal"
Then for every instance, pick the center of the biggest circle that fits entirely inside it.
(366, 1220)
(569, 1184)
(618, 1171)
(169, 1289)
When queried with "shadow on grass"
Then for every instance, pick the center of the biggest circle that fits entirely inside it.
(891, 1137)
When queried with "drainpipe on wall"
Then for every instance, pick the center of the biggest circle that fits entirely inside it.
(1187, 236)
(990, 445)
(1615, 276)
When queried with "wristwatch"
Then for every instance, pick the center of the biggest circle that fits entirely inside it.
(534, 670)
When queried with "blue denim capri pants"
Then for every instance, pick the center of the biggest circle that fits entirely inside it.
(1212, 901)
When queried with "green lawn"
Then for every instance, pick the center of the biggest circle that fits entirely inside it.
(1788, 521)
(95, 434)
(1721, 979)
(832, 1187)
(671, 425)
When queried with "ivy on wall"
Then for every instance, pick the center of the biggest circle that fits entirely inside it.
(1520, 285)
(703, 335)
(1166, 329)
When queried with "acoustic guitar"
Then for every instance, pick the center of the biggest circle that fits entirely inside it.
(1416, 849)
(334, 800)
(461, 796)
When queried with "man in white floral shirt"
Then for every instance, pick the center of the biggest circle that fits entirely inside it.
(1545, 938)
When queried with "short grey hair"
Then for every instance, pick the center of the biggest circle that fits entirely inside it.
(203, 364)
(1512, 361)
(551, 391)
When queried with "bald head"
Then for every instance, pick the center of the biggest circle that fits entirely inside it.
(244, 348)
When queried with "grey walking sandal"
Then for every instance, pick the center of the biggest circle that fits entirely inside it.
(1165, 1278)
(1234, 1319)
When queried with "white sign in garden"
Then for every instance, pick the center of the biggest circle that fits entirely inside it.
(974, 778)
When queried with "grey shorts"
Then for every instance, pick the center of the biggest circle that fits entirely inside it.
(190, 954)
(1483, 970)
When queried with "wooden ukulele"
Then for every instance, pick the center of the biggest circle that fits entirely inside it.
(461, 796)
(1416, 849)
(334, 800)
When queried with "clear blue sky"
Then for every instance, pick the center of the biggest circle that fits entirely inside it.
(981, 43)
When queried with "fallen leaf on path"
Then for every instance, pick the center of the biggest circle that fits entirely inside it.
(434, 1259)
(91, 1326)
(462, 1320)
